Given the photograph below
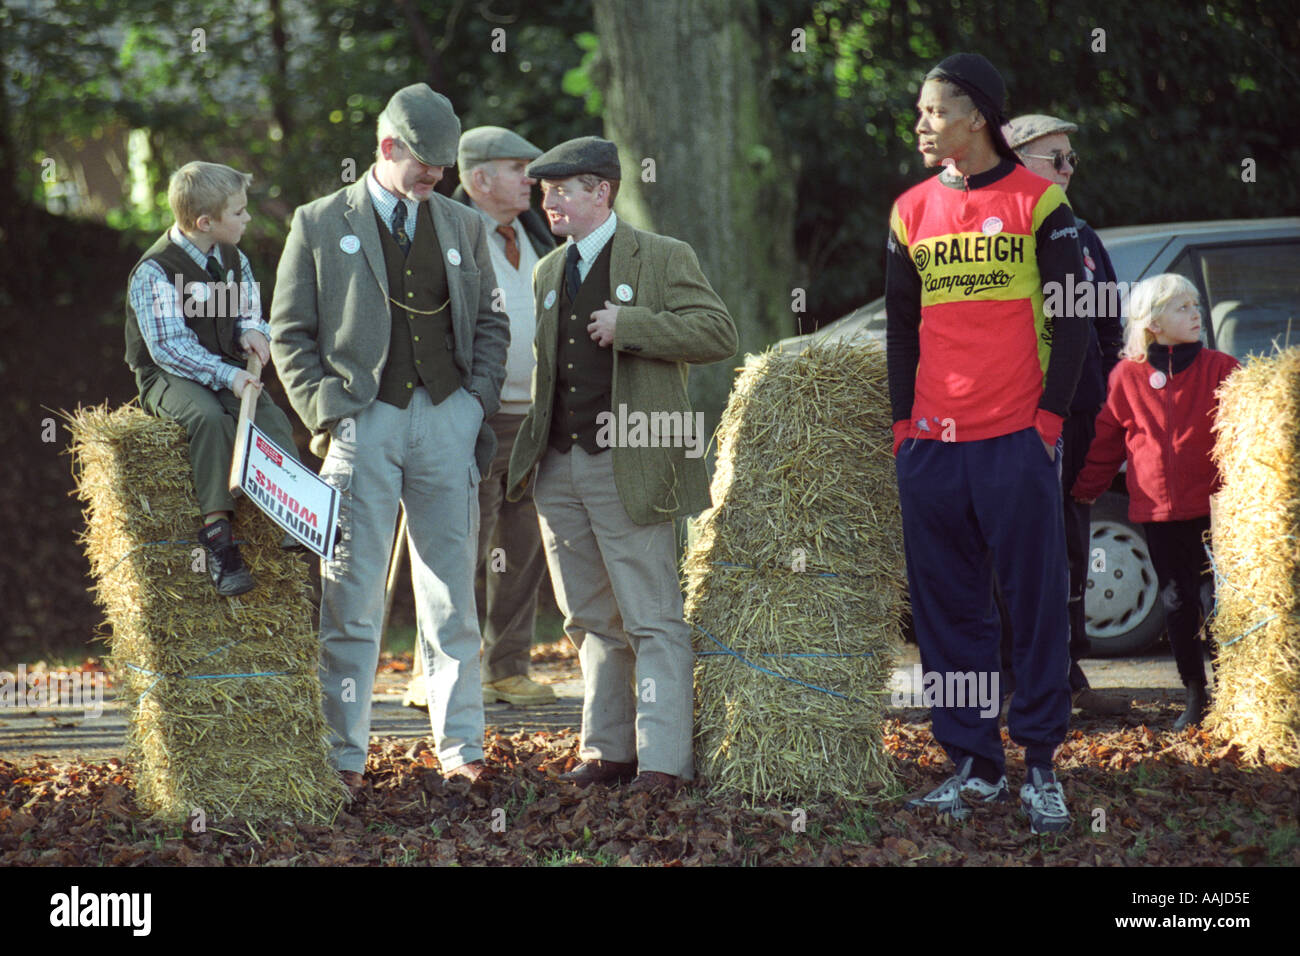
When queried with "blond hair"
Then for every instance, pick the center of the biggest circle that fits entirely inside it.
(203, 189)
(1146, 301)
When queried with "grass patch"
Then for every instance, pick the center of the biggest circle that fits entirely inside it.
(575, 858)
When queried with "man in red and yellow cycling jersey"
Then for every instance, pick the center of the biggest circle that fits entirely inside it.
(980, 381)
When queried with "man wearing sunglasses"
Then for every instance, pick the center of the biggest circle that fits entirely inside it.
(1043, 143)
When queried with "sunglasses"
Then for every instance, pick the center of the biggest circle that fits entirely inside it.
(1058, 158)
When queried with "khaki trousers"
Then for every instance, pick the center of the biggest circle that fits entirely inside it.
(616, 582)
(210, 418)
(422, 456)
(506, 596)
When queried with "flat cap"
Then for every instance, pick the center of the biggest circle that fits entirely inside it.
(1027, 128)
(425, 122)
(586, 154)
(484, 143)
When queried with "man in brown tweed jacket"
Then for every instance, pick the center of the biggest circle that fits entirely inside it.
(614, 453)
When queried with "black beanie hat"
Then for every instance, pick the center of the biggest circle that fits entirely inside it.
(979, 79)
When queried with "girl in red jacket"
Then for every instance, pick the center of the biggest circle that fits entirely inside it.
(1160, 407)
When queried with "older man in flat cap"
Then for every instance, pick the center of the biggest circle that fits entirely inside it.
(621, 314)
(980, 380)
(494, 181)
(390, 351)
(1043, 143)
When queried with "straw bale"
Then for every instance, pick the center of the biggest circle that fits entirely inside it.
(802, 554)
(1256, 549)
(251, 747)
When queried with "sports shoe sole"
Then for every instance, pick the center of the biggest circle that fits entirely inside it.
(235, 587)
(1038, 829)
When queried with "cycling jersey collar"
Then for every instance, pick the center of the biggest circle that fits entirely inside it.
(954, 180)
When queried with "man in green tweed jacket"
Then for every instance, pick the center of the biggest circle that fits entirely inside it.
(615, 452)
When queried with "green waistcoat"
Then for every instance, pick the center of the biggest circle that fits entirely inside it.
(420, 345)
(584, 370)
(216, 331)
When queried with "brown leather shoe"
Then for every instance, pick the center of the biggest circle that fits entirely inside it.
(599, 771)
(650, 780)
(354, 781)
(474, 771)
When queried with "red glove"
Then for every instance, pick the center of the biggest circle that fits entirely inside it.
(1048, 425)
(900, 433)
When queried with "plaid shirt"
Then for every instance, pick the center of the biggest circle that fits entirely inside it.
(172, 344)
(589, 249)
(385, 202)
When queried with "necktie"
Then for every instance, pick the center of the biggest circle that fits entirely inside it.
(572, 278)
(214, 269)
(512, 246)
(399, 227)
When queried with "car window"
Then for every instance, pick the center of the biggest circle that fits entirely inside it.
(1252, 291)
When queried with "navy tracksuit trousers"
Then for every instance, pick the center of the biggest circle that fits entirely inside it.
(970, 509)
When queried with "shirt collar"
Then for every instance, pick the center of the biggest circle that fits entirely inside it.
(590, 247)
(191, 250)
(385, 202)
(1179, 356)
(955, 180)
(490, 223)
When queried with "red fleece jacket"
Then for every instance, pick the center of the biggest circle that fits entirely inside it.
(1164, 431)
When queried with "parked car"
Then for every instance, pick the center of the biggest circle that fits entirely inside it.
(1248, 274)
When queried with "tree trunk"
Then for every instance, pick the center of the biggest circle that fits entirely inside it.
(685, 85)
(280, 72)
(422, 41)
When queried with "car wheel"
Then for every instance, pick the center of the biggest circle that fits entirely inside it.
(1122, 600)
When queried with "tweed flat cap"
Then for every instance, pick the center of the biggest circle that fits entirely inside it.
(1031, 126)
(586, 154)
(484, 143)
(426, 122)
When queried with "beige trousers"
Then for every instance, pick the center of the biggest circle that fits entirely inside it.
(616, 583)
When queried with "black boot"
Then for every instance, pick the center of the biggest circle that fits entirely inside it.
(1196, 707)
(225, 565)
(290, 543)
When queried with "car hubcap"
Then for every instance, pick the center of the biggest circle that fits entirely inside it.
(1122, 587)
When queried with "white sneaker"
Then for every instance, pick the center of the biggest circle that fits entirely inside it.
(1044, 801)
(978, 790)
(951, 796)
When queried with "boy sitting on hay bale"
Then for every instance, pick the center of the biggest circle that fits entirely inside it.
(193, 315)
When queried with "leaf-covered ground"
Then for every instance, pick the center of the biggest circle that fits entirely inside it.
(1139, 797)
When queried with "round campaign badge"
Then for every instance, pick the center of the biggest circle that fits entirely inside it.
(550, 300)
(624, 293)
(350, 244)
(453, 256)
(1158, 379)
(992, 226)
(198, 291)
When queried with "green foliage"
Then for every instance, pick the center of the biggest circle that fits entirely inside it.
(284, 89)
(289, 91)
(579, 82)
(1166, 114)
